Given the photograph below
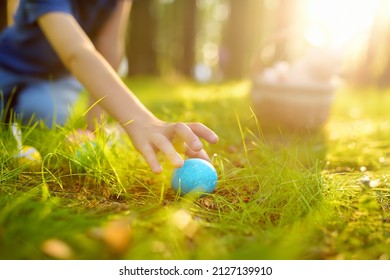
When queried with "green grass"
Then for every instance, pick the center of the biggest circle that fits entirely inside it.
(280, 195)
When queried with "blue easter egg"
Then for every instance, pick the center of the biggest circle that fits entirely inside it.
(195, 175)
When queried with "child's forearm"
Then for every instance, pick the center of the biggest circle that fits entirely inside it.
(11, 8)
(82, 59)
(111, 45)
(110, 42)
(102, 82)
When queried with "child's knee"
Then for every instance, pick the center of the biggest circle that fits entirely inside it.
(43, 101)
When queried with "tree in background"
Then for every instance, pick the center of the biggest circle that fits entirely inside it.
(375, 69)
(241, 38)
(162, 37)
(369, 65)
(281, 31)
(187, 32)
(141, 41)
(177, 35)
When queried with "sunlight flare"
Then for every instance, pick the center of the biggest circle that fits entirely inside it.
(340, 20)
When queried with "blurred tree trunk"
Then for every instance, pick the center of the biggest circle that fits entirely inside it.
(141, 52)
(186, 62)
(239, 41)
(287, 26)
(384, 79)
(379, 52)
(374, 67)
(3, 14)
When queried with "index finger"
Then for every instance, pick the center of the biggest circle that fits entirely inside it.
(188, 136)
(150, 156)
(204, 132)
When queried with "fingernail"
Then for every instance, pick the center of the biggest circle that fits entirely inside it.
(157, 169)
(179, 162)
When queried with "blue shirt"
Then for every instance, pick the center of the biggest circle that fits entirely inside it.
(25, 51)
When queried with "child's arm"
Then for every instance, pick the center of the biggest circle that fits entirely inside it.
(147, 133)
(11, 8)
(110, 43)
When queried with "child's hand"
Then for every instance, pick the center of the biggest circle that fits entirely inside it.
(154, 135)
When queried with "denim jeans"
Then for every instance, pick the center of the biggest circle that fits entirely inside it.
(36, 99)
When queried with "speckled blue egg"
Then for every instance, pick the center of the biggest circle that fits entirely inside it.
(196, 175)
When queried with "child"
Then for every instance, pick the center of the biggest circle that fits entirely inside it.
(55, 48)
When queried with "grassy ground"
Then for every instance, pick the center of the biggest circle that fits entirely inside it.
(280, 195)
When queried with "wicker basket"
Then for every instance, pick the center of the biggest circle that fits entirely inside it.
(292, 106)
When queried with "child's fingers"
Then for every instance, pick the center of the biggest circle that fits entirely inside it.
(197, 154)
(188, 136)
(166, 147)
(204, 132)
(162, 141)
(150, 156)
